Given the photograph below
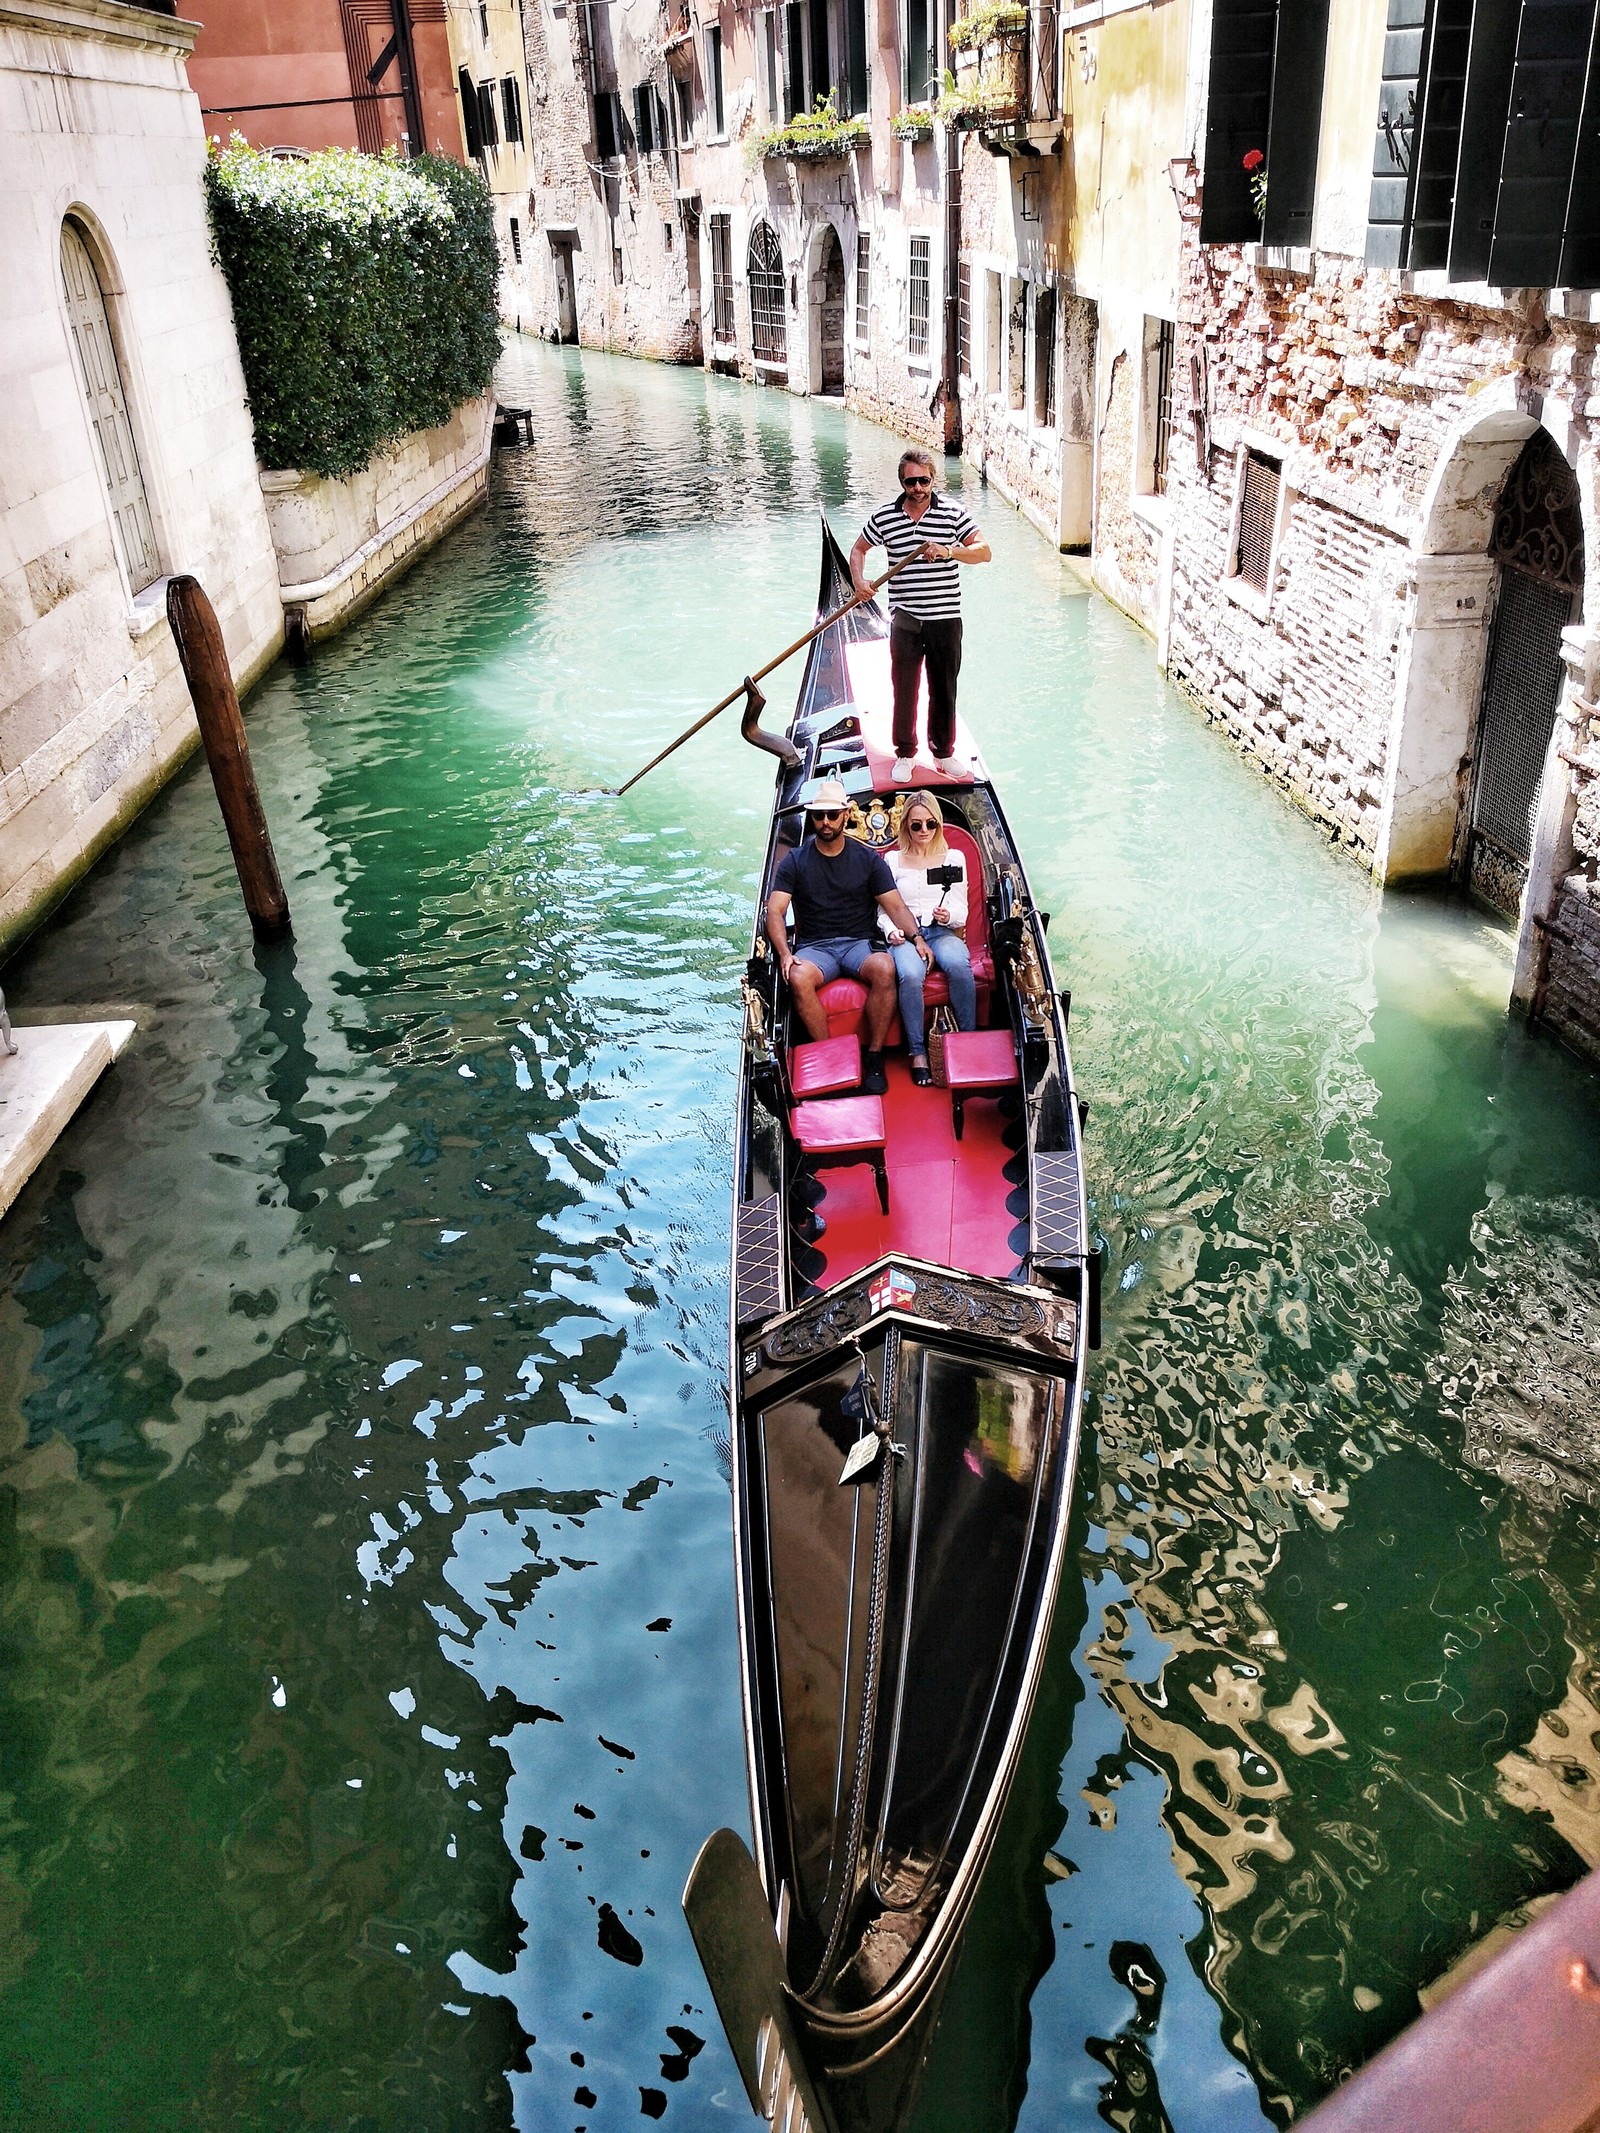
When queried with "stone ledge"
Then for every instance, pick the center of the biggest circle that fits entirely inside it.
(55, 1067)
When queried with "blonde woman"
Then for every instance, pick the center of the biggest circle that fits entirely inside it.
(940, 909)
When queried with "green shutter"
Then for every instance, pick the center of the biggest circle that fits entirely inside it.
(1399, 95)
(1295, 128)
(1238, 116)
(1438, 144)
(1486, 100)
(1580, 248)
(1541, 141)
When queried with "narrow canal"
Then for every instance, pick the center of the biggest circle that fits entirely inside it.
(369, 1674)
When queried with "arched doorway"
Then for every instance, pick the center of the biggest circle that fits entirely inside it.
(1537, 548)
(769, 339)
(830, 338)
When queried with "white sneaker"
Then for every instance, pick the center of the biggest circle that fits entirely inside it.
(950, 766)
(904, 769)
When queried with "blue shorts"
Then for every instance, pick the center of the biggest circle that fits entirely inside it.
(842, 958)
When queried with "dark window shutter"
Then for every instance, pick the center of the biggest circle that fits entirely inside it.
(605, 124)
(821, 60)
(1438, 141)
(858, 92)
(1580, 249)
(487, 125)
(1541, 140)
(511, 98)
(642, 117)
(469, 114)
(1238, 114)
(1295, 127)
(1393, 144)
(1487, 98)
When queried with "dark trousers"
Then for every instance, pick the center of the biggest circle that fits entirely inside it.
(913, 644)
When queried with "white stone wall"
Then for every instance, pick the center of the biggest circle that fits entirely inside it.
(96, 120)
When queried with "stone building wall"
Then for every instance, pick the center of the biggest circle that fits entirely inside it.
(97, 123)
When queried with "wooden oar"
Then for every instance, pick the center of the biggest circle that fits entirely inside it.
(875, 585)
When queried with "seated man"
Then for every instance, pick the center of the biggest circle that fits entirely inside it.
(837, 886)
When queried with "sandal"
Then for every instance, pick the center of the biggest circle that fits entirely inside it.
(921, 1076)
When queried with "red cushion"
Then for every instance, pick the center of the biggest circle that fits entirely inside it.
(980, 1059)
(835, 1128)
(843, 1001)
(825, 1069)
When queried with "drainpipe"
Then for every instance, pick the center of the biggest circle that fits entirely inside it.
(400, 17)
(951, 381)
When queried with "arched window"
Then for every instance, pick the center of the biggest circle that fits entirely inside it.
(768, 332)
(101, 379)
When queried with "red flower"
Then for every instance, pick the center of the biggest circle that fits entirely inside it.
(1254, 158)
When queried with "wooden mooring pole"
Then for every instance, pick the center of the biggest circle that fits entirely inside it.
(204, 657)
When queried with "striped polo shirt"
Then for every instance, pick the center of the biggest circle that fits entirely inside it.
(930, 591)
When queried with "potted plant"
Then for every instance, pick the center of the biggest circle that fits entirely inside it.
(815, 136)
(990, 44)
(915, 123)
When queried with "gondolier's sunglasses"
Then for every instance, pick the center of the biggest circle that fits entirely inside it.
(916, 481)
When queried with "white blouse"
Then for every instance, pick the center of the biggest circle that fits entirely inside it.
(924, 896)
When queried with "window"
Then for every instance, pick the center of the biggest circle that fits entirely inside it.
(794, 27)
(863, 287)
(769, 54)
(821, 55)
(1265, 94)
(1017, 349)
(511, 107)
(483, 20)
(1258, 511)
(607, 124)
(993, 316)
(469, 114)
(685, 109)
(722, 279)
(648, 119)
(516, 240)
(857, 98)
(1166, 341)
(964, 318)
(1044, 358)
(488, 124)
(666, 235)
(920, 72)
(617, 271)
(101, 379)
(714, 81)
(768, 323)
(917, 301)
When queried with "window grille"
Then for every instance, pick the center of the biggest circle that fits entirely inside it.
(511, 103)
(768, 321)
(516, 240)
(1044, 358)
(863, 286)
(1166, 341)
(722, 279)
(488, 124)
(101, 379)
(964, 317)
(917, 314)
(1258, 507)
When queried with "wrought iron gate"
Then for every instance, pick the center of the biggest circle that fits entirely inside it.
(768, 310)
(1538, 542)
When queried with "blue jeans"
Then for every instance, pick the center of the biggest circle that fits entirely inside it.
(950, 956)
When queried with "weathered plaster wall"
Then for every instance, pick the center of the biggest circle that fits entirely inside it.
(96, 119)
(488, 45)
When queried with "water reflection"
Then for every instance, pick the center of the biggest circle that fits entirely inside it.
(367, 1587)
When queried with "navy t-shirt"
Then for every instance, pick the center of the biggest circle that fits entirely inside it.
(834, 899)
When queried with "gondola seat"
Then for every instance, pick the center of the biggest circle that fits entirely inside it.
(844, 1000)
(826, 1069)
(845, 1130)
(977, 1062)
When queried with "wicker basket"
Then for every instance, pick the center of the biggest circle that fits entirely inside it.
(941, 1022)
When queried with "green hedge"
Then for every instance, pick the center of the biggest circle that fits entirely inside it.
(363, 293)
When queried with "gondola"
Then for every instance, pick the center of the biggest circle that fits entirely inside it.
(913, 1298)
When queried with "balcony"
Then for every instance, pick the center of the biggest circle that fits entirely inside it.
(1007, 78)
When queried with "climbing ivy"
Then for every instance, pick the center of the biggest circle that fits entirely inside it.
(363, 293)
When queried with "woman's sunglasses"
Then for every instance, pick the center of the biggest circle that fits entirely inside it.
(920, 824)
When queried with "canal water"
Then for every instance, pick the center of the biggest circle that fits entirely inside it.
(365, 1588)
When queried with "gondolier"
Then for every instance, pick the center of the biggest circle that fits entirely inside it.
(924, 604)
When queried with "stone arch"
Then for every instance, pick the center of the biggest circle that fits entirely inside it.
(826, 308)
(1445, 644)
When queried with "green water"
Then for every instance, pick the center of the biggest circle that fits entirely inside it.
(366, 1610)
